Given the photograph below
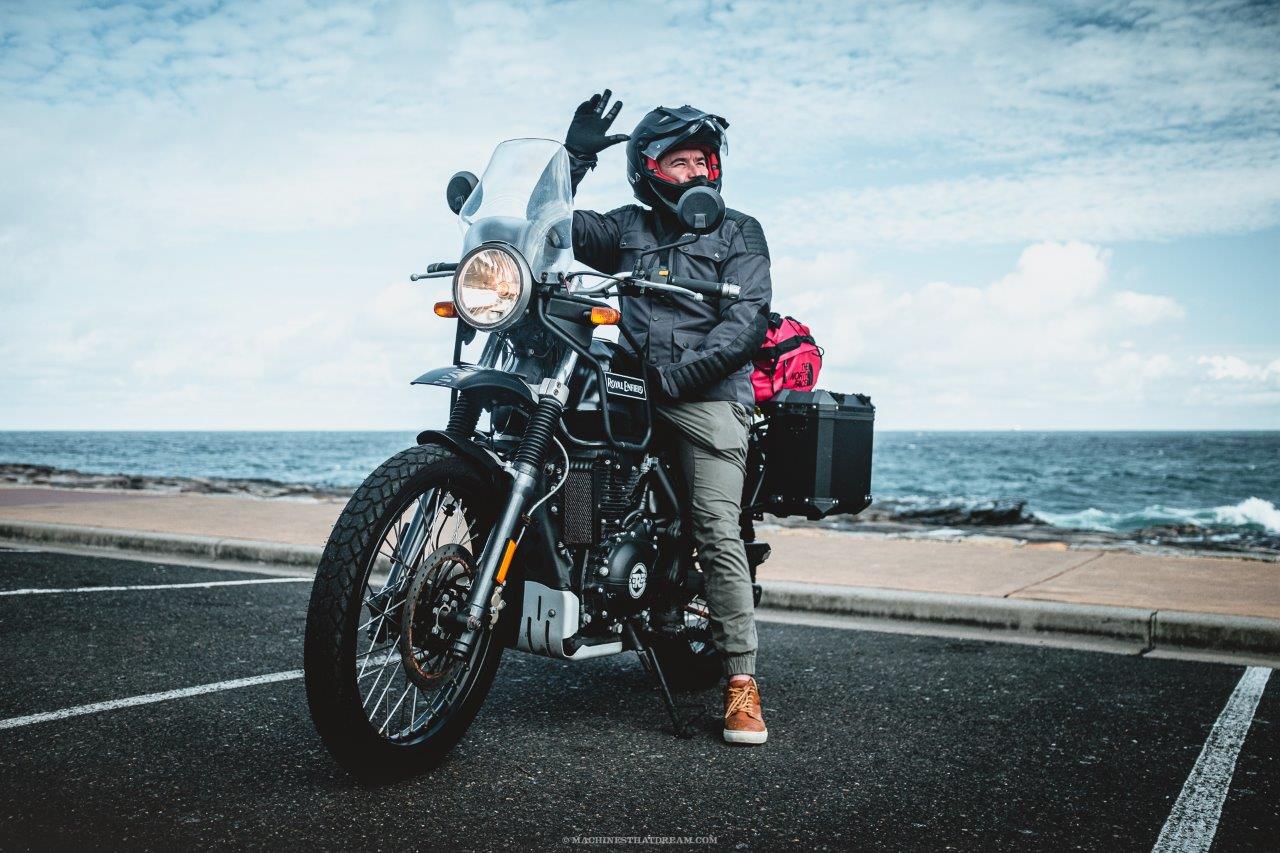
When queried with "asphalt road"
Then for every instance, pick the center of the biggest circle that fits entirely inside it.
(877, 741)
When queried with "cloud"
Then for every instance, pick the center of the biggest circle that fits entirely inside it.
(1146, 308)
(1050, 277)
(187, 183)
(934, 125)
(1231, 368)
(1040, 339)
(1150, 193)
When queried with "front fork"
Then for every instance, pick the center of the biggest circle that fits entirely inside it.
(495, 560)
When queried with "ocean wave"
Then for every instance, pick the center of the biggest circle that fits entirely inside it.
(1250, 514)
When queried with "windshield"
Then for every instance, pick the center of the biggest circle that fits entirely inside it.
(524, 198)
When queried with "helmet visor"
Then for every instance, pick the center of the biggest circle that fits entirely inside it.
(688, 125)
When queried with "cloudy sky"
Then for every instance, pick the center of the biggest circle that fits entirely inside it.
(992, 215)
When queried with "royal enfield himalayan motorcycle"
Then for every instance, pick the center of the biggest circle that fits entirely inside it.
(554, 527)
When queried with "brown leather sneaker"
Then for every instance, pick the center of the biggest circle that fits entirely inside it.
(743, 719)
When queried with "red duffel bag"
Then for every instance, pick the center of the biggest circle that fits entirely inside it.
(788, 358)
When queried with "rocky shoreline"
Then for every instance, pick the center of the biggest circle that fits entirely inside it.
(64, 478)
(1001, 519)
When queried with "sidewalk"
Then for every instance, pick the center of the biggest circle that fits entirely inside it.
(1205, 602)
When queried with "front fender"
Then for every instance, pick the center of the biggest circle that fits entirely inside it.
(539, 561)
(482, 384)
(484, 459)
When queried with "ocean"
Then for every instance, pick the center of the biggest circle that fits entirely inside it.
(1214, 490)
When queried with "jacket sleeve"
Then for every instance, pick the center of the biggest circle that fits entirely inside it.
(578, 168)
(595, 239)
(595, 235)
(743, 323)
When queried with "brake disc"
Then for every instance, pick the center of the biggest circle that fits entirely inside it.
(439, 587)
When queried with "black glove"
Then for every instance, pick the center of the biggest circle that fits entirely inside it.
(586, 137)
(681, 381)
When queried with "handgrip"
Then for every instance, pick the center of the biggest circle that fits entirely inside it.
(442, 266)
(714, 289)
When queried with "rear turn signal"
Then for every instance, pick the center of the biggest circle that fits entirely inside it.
(605, 316)
(446, 309)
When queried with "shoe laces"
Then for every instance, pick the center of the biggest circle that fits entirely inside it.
(740, 697)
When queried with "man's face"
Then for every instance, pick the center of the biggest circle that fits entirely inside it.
(684, 164)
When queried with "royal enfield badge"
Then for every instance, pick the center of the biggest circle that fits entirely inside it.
(637, 580)
(624, 386)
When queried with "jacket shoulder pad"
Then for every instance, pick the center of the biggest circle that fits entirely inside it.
(752, 233)
(624, 212)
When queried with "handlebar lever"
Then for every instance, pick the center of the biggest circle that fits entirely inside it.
(673, 288)
(436, 270)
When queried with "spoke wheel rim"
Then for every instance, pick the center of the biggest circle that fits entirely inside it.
(398, 710)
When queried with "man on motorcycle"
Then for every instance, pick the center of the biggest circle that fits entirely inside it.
(697, 354)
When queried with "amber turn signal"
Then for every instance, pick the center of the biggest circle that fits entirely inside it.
(446, 309)
(605, 316)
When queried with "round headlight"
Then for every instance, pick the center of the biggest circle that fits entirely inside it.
(492, 286)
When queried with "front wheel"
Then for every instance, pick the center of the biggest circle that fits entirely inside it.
(386, 697)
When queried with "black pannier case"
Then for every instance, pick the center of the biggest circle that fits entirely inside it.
(817, 454)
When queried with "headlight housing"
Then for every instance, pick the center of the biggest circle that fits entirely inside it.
(492, 286)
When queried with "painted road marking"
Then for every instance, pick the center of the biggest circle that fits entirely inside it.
(98, 707)
(149, 698)
(204, 585)
(1194, 819)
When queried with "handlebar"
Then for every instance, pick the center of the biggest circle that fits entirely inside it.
(697, 288)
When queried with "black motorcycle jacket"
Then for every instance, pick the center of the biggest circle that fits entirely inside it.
(699, 351)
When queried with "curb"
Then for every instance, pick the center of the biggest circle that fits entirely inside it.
(166, 544)
(1164, 630)
(1150, 630)
(969, 611)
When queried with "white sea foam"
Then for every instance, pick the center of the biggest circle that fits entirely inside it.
(1249, 512)
(1087, 519)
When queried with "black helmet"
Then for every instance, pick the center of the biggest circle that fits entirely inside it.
(668, 128)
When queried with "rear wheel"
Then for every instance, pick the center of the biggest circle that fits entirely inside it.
(688, 659)
(385, 696)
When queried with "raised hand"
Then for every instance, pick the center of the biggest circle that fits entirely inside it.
(588, 131)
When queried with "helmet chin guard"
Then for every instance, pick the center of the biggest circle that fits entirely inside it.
(668, 129)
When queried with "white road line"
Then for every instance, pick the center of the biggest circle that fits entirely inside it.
(1194, 819)
(98, 707)
(204, 585)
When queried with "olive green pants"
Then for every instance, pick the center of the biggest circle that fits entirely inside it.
(711, 439)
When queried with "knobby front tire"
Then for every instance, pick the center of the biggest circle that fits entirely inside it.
(392, 727)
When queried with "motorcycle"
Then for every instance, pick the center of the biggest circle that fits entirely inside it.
(558, 529)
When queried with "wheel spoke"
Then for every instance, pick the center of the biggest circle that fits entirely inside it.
(391, 713)
(374, 712)
(396, 707)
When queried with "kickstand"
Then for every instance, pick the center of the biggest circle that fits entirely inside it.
(650, 661)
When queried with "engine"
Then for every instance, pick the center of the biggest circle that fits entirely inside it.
(606, 527)
(620, 570)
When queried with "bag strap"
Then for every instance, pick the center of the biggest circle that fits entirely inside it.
(781, 348)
